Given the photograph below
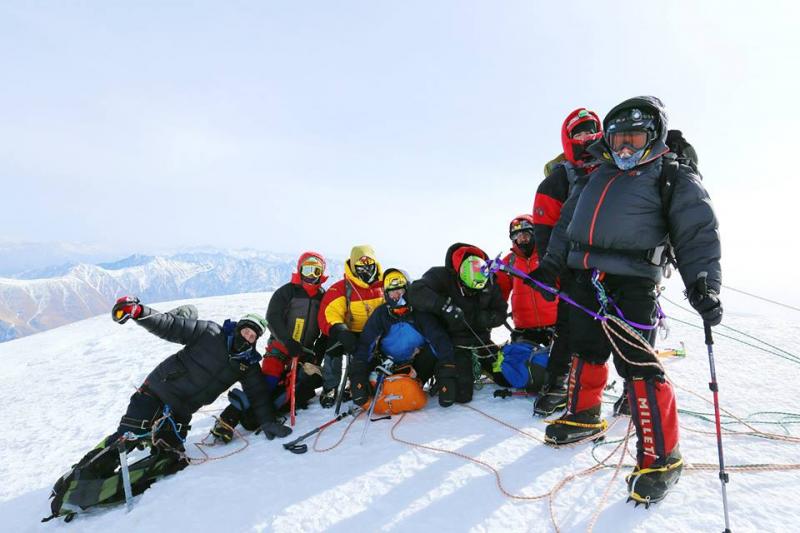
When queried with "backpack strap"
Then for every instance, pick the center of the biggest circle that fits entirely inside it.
(348, 296)
(669, 174)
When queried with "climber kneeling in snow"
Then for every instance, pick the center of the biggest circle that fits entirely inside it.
(294, 350)
(214, 358)
(410, 345)
(464, 296)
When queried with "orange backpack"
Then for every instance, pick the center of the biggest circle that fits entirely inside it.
(400, 393)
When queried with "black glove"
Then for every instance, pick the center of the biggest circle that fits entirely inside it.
(346, 338)
(294, 348)
(359, 382)
(546, 274)
(705, 301)
(486, 320)
(452, 314)
(446, 381)
(275, 429)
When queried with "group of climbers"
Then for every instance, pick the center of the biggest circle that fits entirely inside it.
(615, 209)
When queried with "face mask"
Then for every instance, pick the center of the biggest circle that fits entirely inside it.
(627, 163)
(240, 344)
(526, 247)
(367, 273)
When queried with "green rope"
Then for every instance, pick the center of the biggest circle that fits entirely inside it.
(477, 371)
(718, 334)
(759, 417)
(794, 357)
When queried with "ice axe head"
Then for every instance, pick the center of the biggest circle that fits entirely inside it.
(296, 448)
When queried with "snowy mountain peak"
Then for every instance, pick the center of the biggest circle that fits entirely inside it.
(31, 305)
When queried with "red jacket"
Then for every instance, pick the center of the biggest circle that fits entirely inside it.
(528, 308)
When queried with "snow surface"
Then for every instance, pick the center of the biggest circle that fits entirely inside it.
(63, 390)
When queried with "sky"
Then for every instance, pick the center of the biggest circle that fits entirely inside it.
(408, 125)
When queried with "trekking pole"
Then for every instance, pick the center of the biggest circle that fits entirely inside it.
(126, 475)
(378, 389)
(342, 382)
(723, 476)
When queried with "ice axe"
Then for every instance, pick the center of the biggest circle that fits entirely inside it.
(382, 373)
(292, 389)
(296, 447)
(126, 476)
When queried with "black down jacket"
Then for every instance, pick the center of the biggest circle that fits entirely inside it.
(613, 218)
(203, 369)
(483, 310)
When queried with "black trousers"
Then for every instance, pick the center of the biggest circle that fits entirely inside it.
(558, 363)
(636, 297)
(464, 375)
(145, 408)
(332, 367)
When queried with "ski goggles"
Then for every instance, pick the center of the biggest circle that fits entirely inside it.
(311, 269)
(587, 127)
(520, 225)
(636, 140)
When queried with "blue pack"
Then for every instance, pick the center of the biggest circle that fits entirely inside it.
(524, 364)
(401, 342)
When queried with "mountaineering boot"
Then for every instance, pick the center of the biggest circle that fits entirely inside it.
(651, 485)
(658, 458)
(574, 427)
(621, 406)
(552, 398)
(328, 397)
(582, 420)
(223, 428)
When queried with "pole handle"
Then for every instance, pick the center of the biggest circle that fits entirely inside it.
(707, 329)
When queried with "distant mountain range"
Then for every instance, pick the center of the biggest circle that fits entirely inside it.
(37, 300)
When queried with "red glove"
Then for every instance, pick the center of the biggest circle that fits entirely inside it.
(125, 308)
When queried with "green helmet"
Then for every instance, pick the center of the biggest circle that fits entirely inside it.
(253, 321)
(473, 272)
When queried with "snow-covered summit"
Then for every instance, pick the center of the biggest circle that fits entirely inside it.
(63, 390)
